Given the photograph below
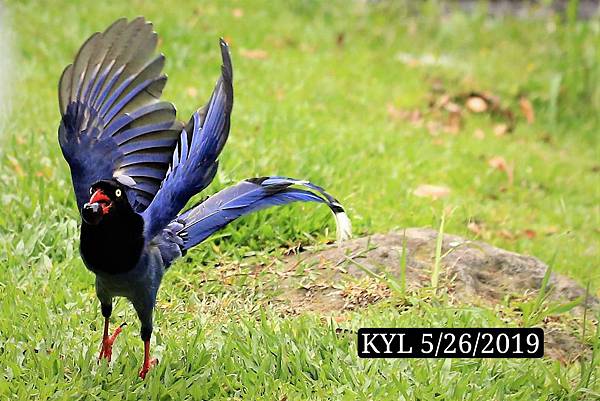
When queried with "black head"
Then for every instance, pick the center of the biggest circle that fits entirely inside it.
(112, 232)
(107, 199)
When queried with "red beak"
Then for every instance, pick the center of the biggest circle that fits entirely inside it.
(103, 200)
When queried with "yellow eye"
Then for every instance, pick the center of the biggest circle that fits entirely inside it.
(118, 193)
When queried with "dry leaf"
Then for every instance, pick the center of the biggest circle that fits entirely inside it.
(452, 107)
(237, 12)
(527, 110)
(475, 228)
(442, 101)
(434, 127)
(16, 166)
(416, 117)
(499, 163)
(431, 191)
(479, 134)
(395, 113)
(452, 126)
(413, 116)
(191, 91)
(500, 129)
(506, 234)
(254, 54)
(476, 104)
(341, 318)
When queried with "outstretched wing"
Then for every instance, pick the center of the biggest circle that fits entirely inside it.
(198, 223)
(194, 163)
(249, 196)
(113, 123)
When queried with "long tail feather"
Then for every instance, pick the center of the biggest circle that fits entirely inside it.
(252, 195)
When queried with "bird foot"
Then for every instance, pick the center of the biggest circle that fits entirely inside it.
(107, 343)
(146, 367)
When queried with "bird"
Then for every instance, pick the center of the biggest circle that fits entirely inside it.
(134, 167)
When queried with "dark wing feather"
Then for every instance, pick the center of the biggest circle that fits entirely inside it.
(194, 161)
(113, 124)
(249, 196)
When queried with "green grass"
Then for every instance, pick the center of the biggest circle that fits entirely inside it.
(315, 108)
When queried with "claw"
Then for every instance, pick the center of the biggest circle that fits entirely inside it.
(148, 363)
(108, 341)
(146, 367)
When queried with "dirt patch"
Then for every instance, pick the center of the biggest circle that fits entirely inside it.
(331, 280)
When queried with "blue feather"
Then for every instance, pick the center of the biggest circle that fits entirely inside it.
(149, 187)
(114, 95)
(98, 85)
(133, 133)
(100, 100)
(144, 170)
(194, 161)
(145, 157)
(247, 197)
(132, 93)
(143, 144)
(112, 119)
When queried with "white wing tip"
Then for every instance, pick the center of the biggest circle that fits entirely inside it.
(344, 226)
(124, 179)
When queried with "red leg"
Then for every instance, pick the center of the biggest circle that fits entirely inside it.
(148, 363)
(107, 341)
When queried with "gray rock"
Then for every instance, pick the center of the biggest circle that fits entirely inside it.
(330, 280)
(469, 267)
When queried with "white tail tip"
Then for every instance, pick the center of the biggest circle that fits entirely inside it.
(344, 226)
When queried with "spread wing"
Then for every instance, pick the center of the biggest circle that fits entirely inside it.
(113, 124)
(194, 163)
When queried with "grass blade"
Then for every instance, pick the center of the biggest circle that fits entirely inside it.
(435, 275)
(403, 264)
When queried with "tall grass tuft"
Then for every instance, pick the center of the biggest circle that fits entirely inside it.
(575, 89)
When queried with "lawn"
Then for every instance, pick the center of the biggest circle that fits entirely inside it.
(354, 97)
